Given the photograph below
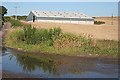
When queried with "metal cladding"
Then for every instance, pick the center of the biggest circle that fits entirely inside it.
(60, 16)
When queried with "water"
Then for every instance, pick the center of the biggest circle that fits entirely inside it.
(18, 64)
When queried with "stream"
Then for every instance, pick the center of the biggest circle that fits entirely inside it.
(17, 64)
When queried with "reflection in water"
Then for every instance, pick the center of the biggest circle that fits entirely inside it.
(30, 62)
(4, 49)
(57, 66)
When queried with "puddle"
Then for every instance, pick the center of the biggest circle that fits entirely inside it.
(48, 66)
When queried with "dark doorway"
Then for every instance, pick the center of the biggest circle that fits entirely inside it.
(33, 18)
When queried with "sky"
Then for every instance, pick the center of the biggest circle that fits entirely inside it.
(89, 8)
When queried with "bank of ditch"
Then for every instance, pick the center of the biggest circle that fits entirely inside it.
(54, 41)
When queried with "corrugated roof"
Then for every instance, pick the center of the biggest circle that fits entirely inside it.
(60, 14)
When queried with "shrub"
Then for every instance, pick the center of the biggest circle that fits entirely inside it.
(20, 17)
(15, 23)
(29, 35)
(71, 41)
(55, 32)
(99, 22)
(7, 18)
(33, 36)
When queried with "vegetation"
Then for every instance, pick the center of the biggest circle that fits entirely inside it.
(20, 17)
(56, 42)
(15, 23)
(99, 22)
(33, 36)
(94, 17)
(3, 11)
(7, 18)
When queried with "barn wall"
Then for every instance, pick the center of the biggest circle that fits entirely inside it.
(61, 20)
(65, 19)
(30, 17)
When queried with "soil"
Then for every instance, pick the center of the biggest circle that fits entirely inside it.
(104, 31)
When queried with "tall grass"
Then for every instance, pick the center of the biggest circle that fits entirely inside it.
(54, 41)
(31, 35)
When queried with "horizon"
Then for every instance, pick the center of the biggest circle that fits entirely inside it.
(93, 9)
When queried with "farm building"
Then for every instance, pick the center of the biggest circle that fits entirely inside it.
(60, 17)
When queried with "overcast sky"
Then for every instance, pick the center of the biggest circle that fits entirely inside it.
(89, 8)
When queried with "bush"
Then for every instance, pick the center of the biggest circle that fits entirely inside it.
(7, 18)
(99, 22)
(20, 17)
(29, 35)
(33, 36)
(72, 41)
(15, 23)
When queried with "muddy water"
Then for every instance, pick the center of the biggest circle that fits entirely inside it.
(17, 64)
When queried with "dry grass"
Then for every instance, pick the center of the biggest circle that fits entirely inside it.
(105, 31)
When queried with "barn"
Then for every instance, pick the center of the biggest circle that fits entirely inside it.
(59, 17)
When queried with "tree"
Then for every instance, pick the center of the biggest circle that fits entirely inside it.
(3, 11)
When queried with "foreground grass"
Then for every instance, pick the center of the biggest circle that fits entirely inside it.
(53, 41)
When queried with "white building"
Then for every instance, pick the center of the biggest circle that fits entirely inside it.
(60, 17)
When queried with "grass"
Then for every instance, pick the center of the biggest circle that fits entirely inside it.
(54, 41)
(8, 18)
(15, 23)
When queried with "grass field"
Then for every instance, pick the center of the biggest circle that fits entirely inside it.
(104, 31)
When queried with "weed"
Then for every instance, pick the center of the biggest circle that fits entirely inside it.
(54, 41)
